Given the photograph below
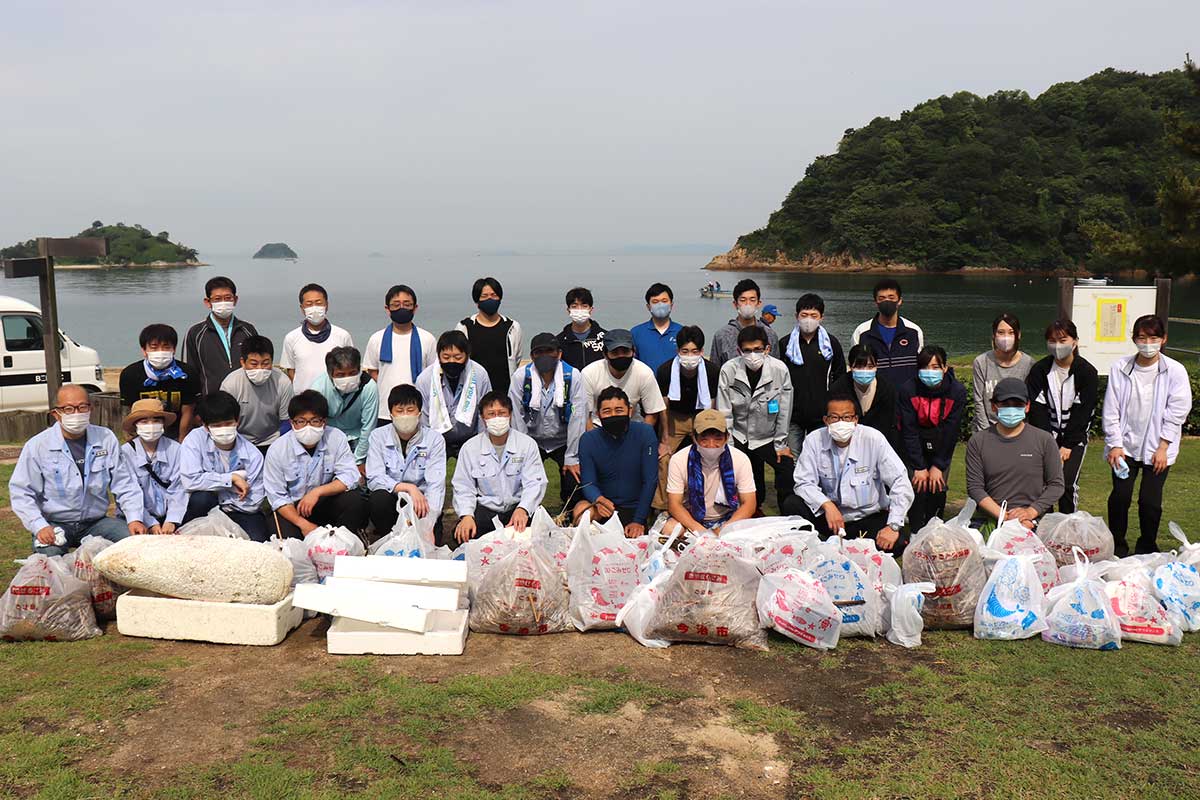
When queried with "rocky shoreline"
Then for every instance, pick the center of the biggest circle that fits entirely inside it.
(155, 264)
(741, 260)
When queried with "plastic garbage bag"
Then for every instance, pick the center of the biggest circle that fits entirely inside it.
(880, 566)
(794, 550)
(406, 539)
(602, 574)
(853, 595)
(636, 614)
(902, 612)
(1140, 614)
(1012, 539)
(710, 597)
(795, 603)
(104, 592)
(326, 543)
(758, 534)
(523, 593)
(1189, 553)
(1177, 585)
(947, 555)
(45, 602)
(1116, 570)
(303, 570)
(1063, 532)
(1080, 614)
(215, 523)
(1012, 605)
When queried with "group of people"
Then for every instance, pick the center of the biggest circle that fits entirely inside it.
(636, 421)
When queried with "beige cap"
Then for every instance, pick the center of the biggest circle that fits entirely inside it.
(709, 420)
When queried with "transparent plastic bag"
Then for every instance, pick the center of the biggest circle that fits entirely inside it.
(45, 602)
(1012, 539)
(902, 612)
(947, 555)
(524, 593)
(324, 544)
(1080, 614)
(1177, 585)
(1189, 553)
(406, 539)
(215, 523)
(796, 604)
(636, 614)
(759, 533)
(793, 550)
(104, 592)
(853, 594)
(1140, 614)
(1061, 533)
(602, 574)
(303, 570)
(1012, 605)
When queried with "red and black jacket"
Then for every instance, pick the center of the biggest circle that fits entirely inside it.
(929, 420)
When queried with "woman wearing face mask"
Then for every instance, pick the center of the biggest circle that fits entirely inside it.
(874, 395)
(709, 483)
(160, 376)
(1004, 360)
(406, 458)
(310, 475)
(1145, 405)
(495, 339)
(263, 392)
(154, 461)
(451, 389)
(1063, 391)
(931, 407)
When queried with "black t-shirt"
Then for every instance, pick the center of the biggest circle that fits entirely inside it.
(489, 348)
(78, 448)
(175, 393)
(686, 404)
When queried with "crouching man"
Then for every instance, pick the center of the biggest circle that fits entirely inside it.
(63, 478)
(850, 479)
(709, 483)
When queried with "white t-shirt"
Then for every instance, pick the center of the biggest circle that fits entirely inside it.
(308, 358)
(398, 371)
(743, 478)
(638, 382)
(1141, 406)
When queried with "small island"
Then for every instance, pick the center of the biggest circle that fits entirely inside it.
(128, 246)
(275, 250)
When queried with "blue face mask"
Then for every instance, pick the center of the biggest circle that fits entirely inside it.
(930, 377)
(1011, 417)
(660, 310)
(863, 377)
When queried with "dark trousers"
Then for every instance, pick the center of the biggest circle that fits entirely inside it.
(383, 514)
(784, 468)
(1149, 506)
(568, 483)
(485, 519)
(348, 509)
(1071, 467)
(926, 506)
(867, 527)
(253, 523)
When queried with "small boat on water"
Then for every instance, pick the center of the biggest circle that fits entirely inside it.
(713, 294)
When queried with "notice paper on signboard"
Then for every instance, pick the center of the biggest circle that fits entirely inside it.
(1104, 316)
(1110, 319)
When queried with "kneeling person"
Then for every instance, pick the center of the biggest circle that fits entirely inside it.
(850, 479)
(709, 483)
(618, 463)
(406, 457)
(311, 477)
(154, 461)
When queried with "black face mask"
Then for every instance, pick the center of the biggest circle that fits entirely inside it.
(887, 307)
(401, 316)
(615, 426)
(490, 306)
(621, 363)
(453, 369)
(545, 364)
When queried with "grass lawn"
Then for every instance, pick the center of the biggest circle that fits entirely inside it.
(583, 716)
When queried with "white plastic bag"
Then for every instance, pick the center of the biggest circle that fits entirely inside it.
(947, 555)
(880, 566)
(602, 574)
(1012, 538)
(324, 544)
(758, 533)
(524, 593)
(1080, 614)
(45, 602)
(104, 592)
(405, 539)
(1140, 614)
(793, 550)
(635, 616)
(1178, 586)
(903, 605)
(1189, 553)
(303, 570)
(853, 595)
(795, 603)
(1012, 605)
(1061, 533)
(215, 523)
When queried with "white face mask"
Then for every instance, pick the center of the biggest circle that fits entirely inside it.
(808, 325)
(160, 359)
(1059, 350)
(347, 384)
(580, 314)
(223, 309)
(406, 423)
(747, 310)
(149, 431)
(691, 361)
(497, 426)
(223, 435)
(1005, 343)
(841, 431)
(309, 434)
(315, 314)
(710, 456)
(258, 376)
(1149, 349)
(753, 361)
(77, 422)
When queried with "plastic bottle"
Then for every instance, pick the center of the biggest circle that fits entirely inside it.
(1121, 470)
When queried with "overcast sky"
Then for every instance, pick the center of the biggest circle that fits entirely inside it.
(451, 124)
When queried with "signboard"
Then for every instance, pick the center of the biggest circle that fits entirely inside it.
(1104, 316)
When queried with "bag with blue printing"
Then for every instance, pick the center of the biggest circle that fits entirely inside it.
(406, 539)
(1012, 605)
(852, 594)
(1178, 586)
(1079, 612)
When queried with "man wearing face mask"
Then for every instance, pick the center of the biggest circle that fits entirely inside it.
(893, 339)
(619, 466)
(305, 348)
(398, 353)
(154, 461)
(815, 360)
(60, 486)
(495, 339)
(654, 339)
(688, 384)
(262, 392)
(160, 377)
(849, 480)
(582, 339)
(709, 483)
(220, 467)
(451, 388)
(747, 300)
(550, 404)
(620, 369)
(498, 476)
(406, 458)
(353, 399)
(1012, 463)
(212, 346)
(310, 475)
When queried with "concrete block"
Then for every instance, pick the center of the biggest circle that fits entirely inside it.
(447, 636)
(143, 614)
(393, 569)
(362, 601)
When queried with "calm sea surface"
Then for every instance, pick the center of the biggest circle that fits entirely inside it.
(105, 309)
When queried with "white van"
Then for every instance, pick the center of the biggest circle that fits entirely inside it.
(23, 366)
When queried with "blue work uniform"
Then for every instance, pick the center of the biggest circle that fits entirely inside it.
(861, 479)
(291, 471)
(499, 483)
(160, 503)
(203, 467)
(422, 463)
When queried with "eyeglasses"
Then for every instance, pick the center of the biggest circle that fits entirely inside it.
(304, 423)
(79, 409)
(841, 417)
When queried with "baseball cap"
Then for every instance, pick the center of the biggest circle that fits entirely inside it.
(544, 341)
(709, 420)
(1010, 389)
(618, 337)
(770, 309)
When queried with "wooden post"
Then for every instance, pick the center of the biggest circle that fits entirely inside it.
(1066, 297)
(1162, 300)
(49, 301)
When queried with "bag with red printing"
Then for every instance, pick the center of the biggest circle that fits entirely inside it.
(523, 593)
(1063, 532)
(45, 602)
(104, 592)
(710, 597)
(602, 574)
(795, 603)
(1014, 539)
(326, 543)
(1141, 615)
(946, 554)
(791, 551)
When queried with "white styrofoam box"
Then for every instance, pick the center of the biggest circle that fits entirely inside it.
(394, 569)
(447, 636)
(143, 614)
(360, 600)
(431, 598)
